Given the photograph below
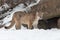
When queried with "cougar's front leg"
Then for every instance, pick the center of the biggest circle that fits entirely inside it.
(30, 25)
(58, 23)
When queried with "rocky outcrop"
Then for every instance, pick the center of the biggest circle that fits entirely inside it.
(50, 10)
(48, 24)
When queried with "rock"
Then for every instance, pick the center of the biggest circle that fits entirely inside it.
(48, 24)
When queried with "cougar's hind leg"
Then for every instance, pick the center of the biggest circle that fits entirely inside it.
(18, 25)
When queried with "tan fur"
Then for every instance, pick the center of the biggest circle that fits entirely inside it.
(20, 18)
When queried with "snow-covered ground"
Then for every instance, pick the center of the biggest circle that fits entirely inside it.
(26, 34)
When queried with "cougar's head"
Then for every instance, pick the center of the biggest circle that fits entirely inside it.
(40, 15)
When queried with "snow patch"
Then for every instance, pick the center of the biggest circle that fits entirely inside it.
(30, 34)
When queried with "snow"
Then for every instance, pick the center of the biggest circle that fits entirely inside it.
(27, 34)
(24, 33)
(34, 3)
